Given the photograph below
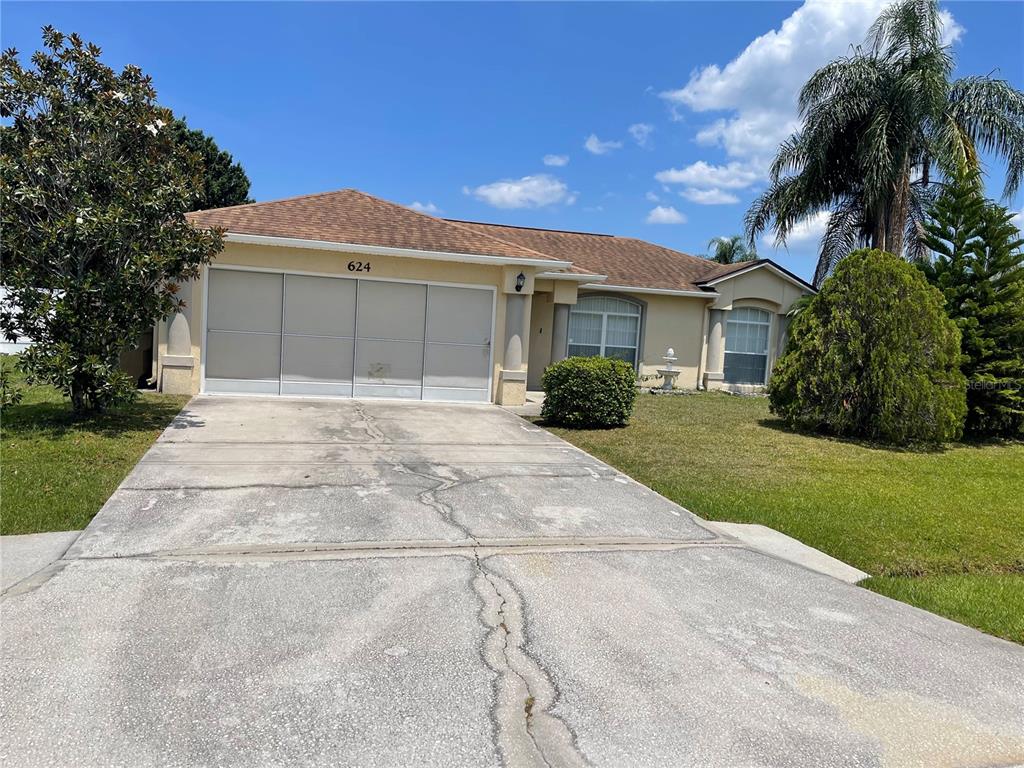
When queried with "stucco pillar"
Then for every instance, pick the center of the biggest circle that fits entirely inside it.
(716, 349)
(512, 384)
(515, 331)
(560, 333)
(177, 362)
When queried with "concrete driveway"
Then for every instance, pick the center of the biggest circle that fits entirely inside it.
(388, 584)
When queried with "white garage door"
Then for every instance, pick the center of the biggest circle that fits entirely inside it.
(271, 333)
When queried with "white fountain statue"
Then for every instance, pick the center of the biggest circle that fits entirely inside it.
(669, 372)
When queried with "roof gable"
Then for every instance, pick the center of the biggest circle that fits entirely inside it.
(729, 271)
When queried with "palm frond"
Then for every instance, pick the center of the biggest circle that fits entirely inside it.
(991, 113)
(843, 233)
(907, 29)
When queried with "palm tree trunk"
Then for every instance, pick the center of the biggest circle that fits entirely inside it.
(879, 229)
(897, 213)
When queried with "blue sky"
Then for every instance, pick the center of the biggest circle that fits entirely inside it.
(652, 120)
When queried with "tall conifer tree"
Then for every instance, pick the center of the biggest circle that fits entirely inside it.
(979, 267)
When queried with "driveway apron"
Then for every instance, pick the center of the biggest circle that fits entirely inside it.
(313, 582)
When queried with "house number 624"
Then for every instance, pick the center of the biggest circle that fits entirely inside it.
(359, 266)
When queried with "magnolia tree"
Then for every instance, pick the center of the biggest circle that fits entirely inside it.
(93, 192)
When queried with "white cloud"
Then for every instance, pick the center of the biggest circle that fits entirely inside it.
(651, 197)
(709, 196)
(760, 86)
(702, 175)
(951, 29)
(1018, 220)
(597, 147)
(809, 231)
(527, 192)
(427, 207)
(556, 160)
(641, 133)
(665, 214)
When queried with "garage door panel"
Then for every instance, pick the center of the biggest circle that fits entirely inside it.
(316, 388)
(317, 359)
(459, 315)
(389, 362)
(244, 301)
(320, 306)
(391, 310)
(346, 337)
(456, 365)
(456, 395)
(243, 356)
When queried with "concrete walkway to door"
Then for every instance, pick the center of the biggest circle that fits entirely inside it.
(392, 584)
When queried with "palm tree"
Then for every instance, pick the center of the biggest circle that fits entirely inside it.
(730, 250)
(878, 126)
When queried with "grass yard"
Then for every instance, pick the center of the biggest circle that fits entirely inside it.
(57, 471)
(943, 530)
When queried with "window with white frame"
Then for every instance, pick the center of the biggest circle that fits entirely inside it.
(746, 346)
(605, 326)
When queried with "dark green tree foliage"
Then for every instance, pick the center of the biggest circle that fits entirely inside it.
(582, 392)
(224, 180)
(873, 356)
(979, 267)
(93, 195)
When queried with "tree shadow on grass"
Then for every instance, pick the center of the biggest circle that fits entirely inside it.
(540, 422)
(922, 448)
(52, 420)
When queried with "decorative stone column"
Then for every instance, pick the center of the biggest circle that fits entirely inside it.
(713, 375)
(560, 333)
(177, 362)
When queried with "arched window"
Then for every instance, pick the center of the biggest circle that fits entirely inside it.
(746, 346)
(605, 326)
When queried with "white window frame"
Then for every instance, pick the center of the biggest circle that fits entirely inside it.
(604, 324)
(767, 343)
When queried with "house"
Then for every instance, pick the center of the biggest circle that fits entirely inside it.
(343, 294)
(19, 344)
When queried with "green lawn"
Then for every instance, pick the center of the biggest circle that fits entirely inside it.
(942, 529)
(56, 471)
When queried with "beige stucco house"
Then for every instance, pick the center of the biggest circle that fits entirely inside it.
(343, 294)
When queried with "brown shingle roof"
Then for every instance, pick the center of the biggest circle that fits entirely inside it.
(351, 216)
(625, 260)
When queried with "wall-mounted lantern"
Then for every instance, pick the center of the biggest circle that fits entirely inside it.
(520, 282)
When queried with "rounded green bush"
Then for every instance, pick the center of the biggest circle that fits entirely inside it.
(873, 356)
(589, 392)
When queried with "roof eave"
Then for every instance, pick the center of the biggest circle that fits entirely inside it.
(381, 250)
(660, 291)
(571, 277)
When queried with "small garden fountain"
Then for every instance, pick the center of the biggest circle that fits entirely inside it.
(669, 372)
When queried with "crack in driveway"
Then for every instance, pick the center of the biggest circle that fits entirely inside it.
(529, 734)
(369, 423)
